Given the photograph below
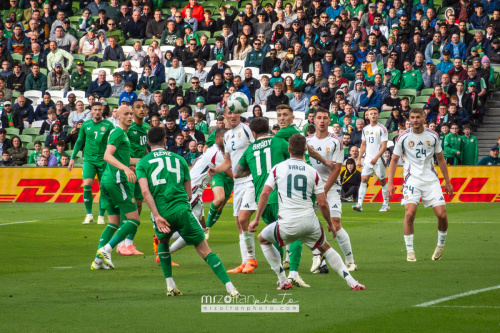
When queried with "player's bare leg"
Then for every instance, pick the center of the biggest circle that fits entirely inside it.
(385, 196)
(362, 193)
(344, 243)
(335, 261)
(248, 237)
(442, 217)
(408, 230)
(274, 259)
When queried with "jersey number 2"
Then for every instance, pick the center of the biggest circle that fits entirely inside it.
(296, 185)
(159, 168)
(267, 152)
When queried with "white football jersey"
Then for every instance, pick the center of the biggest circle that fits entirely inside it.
(418, 151)
(236, 141)
(296, 182)
(373, 136)
(331, 149)
(213, 157)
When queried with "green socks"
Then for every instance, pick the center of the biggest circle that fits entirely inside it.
(129, 226)
(130, 236)
(101, 210)
(280, 249)
(106, 235)
(217, 267)
(213, 215)
(88, 198)
(165, 260)
(295, 255)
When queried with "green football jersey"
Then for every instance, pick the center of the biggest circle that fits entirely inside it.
(95, 136)
(260, 157)
(138, 136)
(118, 138)
(286, 132)
(211, 139)
(166, 173)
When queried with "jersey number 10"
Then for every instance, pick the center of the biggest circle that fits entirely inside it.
(159, 168)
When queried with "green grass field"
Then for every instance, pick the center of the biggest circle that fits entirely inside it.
(46, 284)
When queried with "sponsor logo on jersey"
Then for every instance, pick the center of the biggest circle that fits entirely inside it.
(135, 132)
(411, 144)
(88, 128)
(103, 128)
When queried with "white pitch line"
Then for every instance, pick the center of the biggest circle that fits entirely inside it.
(449, 298)
(63, 267)
(21, 222)
(466, 306)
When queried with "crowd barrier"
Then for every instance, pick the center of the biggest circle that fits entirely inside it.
(470, 184)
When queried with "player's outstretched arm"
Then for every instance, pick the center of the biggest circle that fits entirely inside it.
(264, 197)
(325, 211)
(109, 158)
(240, 171)
(134, 161)
(314, 154)
(444, 170)
(362, 149)
(390, 177)
(161, 223)
(221, 168)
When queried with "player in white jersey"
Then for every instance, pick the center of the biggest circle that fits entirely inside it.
(236, 141)
(373, 145)
(417, 146)
(297, 182)
(211, 158)
(330, 148)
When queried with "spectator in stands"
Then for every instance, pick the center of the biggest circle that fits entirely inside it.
(277, 98)
(299, 102)
(26, 110)
(241, 88)
(178, 147)
(36, 153)
(192, 153)
(216, 91)
(395, 121)
(89, 44)
(256, 56)
(150, 79)
(6, 70)
(180, 103)
(41, 112)
(371, 98)
(197, 135)
(222, 104)
(6, 159)
(264, 91)
(7, 93)
(197, 10)
(118, 87)
(176, 72)
(100, 86)
(58, 79)
(102, 21)
(95, 6)
(58, 55)
(51, 159)
(113, 31)
(80, 78)
(469, 147)
(128, 94)
(357, 132)
(411, 78)
(11, 117)
(135, 28)
(493, 159)
(351, 180)
(217, 68)
(194, 91)
(27, 64)
(79, 114)
(128, 75)
(64, 40)
(56, 135)
(251, 83)
(191, 54)
(17, 80)
(5, 143)
(171, 92)
(18, 42)
(114, 51)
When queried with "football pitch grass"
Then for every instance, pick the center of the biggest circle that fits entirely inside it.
(46, 284)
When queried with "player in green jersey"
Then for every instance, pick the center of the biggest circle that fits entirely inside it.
(166, 185)
(138, 137)
(287, 129)
(117, 194)
(94, 134)
(258, 160)
(221, 184)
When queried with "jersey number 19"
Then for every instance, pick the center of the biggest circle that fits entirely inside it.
(297, 186)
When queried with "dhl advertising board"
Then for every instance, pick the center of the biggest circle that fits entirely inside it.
(470, 184)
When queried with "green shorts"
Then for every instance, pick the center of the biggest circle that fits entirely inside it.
(222, 180)
(137, 192)
(270, 214)
(118, 198)
(185, 223)
(90, 169)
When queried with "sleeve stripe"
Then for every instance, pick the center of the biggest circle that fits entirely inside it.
(317, 178)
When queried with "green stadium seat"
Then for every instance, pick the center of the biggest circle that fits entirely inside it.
(30, 146)
(186, 86)
(427, 92)
(211, 108)
(78, 56)
(78, 165)
(418, 105)
(385, 114)
(80, 34)
(392, 135)
(211, 41)
(131, 42)
(164, 86)
(92, 64)
(215, 4)
(17, 57)
(31, 131)
(12, 131)
(25, 139)
(30, 165)
(110, 64)
(42, 138)
(204, 33)
(217, 33)
(407, 92)
(166, 12)
(79, 160)
(43, 70)
(112, 100)
(167, 4)
(361, 115)
(421, 99)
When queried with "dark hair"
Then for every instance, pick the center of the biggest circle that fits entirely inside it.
(156, 136)
(322, 110)
(37, 142)
(220, 132)
(259, 126)
(297, 145)
(61, 143)
(350, 161)
(170, 119)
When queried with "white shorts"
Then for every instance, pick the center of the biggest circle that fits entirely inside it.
(369, 169)
(244, 197)
(431, 194)
(197, 203)
(334, 202)
(307, 229)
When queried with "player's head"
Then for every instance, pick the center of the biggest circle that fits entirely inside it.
(125, 115)
(285, 115)
(140, 109)
(259, 127)
(373, 115)
(297, 146)
(96, 110)
(417, 118)
(219, 137)
(321, 119)
(233, 119)
(157, 137)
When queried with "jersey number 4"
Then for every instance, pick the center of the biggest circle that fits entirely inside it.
(299, 183)
(159, 168)
(267, 153)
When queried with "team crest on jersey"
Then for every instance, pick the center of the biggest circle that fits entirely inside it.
(428, 142)
(406, 197)
(411, 144)
(103, 128)
(327, 149)
(133, 200)
(239, 134)
(367, 132)
(471, 140)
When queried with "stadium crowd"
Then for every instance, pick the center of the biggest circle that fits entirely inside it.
(184, 60)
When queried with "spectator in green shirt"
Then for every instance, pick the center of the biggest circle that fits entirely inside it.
(469, 147)
(492, 159)
(453, 146)
(80, 78)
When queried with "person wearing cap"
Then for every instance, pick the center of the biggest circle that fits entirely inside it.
(80, 78)
(367, 20)
(492, 159)
(479, 19)
(11, 117)
(36, 80)
(89, 44)
(431, 75)
(494, 54)
(135, 28)
(17, 80)
(370, 98)
(58, 79)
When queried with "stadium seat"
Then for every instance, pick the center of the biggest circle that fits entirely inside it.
(112, 100)
(299, 115)
(41, 138)
(78, 56)
(37, 124)
(17, 57)
(56, 94)
(186, 86)
(43, 71)
(421, 99)
(272, 115)
(211, 108)
(164, 86)
(30, 146)
(165, 48)
(110, 64)
(407, 92)
(80, 34)
(167, 4)
(97, 70)
(33, 93)
(79, 94)
(92, 64)
(392, 135)
(25, 139)
(217, 33)
(232, 63)
(427, 92)
(418, 105)
(255, 70)
(210, 63)
(132, 41)
(207, 85)
(204, 32)
(31, 131)
(246, 114)
(12, 130)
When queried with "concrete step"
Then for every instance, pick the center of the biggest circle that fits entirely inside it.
(490, 126)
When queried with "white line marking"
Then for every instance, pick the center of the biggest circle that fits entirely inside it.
(466, 306)
(63, 267)
(21, 222)
(449, 298)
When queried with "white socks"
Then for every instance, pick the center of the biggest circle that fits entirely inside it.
(336, 263)
(362, 193)
(409, 243)
(293, 274)
(250, 244)
(384, 195)
(229, 287)
(108, 248)
(345, 245)
(120, 244)
(287, 258)
(177, 245)
(170, 282)
(243, 249)
(441, 237)
(273, 257)
(128, 242)
(316, 252)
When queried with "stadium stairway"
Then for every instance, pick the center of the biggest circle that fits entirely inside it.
(489, 130)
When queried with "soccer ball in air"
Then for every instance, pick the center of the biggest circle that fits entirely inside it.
(238, 102)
